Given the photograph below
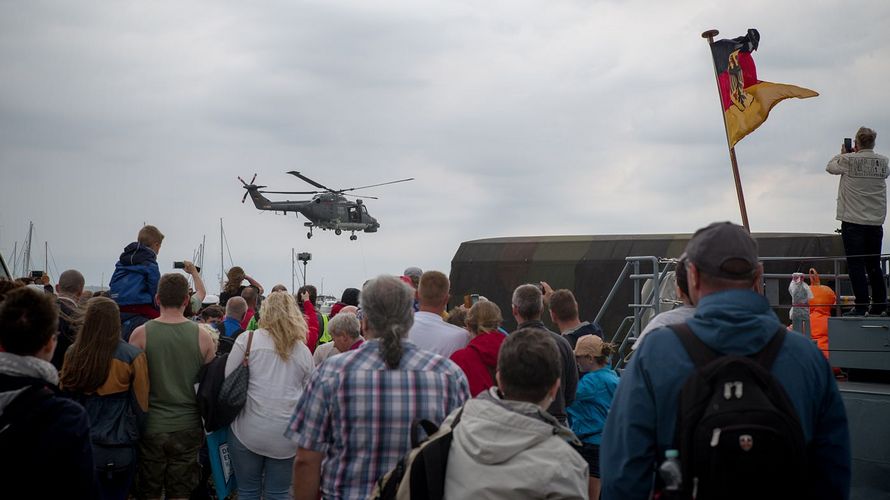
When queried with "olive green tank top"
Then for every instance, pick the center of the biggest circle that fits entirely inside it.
(174, 359)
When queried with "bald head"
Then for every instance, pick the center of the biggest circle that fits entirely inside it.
(236, 307)
(70, 283)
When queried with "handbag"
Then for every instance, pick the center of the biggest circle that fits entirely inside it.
(233, 393)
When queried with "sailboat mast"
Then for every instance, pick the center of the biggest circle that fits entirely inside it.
(15, 256)
(26, 259)
(222, 262)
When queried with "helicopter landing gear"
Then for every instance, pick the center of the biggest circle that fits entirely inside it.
(353, 237)
(309, 235)
(338, 232)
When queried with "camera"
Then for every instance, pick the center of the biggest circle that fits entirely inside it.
(848, 145)
(304, 256)
(181, 265)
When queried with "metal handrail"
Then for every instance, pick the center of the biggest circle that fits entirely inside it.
(632, 324)
(630, 327)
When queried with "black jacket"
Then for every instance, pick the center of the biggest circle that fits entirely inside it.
(45, 442)
(569, 379)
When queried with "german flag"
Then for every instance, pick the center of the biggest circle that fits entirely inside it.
(747, 101)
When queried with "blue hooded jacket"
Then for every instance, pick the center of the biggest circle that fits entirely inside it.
(640, 426)
(136, 276)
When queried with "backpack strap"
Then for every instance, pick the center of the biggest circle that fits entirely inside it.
(698, 351)
(434, 461)
(767, 356)
(246, 360)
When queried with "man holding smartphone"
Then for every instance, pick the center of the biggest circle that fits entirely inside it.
(861, 208)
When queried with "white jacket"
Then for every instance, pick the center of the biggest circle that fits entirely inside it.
(510, 449)
(862, 190)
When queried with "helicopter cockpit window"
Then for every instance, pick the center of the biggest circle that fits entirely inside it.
(354, 214)
(364, 209)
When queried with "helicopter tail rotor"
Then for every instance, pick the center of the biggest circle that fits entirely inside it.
(248, 187)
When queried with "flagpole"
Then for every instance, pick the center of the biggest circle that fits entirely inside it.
(709, 36)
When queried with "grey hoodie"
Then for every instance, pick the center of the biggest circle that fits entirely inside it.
(511, 449)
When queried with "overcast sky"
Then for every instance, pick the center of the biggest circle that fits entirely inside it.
(515, 117)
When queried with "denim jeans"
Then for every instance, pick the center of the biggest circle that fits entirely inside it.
(259, 476)
(865, 240)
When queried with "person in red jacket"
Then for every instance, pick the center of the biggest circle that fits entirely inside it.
(479, 359)
(311, 320)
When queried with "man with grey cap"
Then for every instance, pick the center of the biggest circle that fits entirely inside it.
(732, 318)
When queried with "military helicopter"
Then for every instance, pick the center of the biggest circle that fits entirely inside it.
(329, 209)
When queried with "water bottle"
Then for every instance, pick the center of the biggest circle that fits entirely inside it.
(670, 471)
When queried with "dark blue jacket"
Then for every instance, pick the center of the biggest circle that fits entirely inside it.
(640, 426)
(136, 276)
(586, 328)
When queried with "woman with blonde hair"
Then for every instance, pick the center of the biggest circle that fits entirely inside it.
(479, 359)
(109, 377)
(280, 365)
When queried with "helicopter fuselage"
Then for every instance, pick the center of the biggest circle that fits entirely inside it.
(326, 211)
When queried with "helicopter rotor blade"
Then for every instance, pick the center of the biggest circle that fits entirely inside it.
(253, 179)
(358, 196)
(375, 185)
(291, 192)
(310, 181)
(244, 198)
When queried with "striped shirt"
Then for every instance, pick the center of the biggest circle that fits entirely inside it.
(359, 413)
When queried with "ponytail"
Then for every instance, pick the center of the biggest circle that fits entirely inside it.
(391, 347)
(607, 350)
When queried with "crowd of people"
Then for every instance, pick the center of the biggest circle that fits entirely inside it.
(100, 392)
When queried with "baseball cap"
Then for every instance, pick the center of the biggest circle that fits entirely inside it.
(210, 299)
(589, 345)
(414, 272)
(723, 250)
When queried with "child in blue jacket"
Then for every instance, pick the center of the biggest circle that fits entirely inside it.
(134, 283)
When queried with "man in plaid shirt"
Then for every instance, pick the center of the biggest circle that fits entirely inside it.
(353, 422)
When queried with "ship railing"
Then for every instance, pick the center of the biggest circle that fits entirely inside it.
(648, 273)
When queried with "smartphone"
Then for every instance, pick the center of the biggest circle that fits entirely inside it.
(848, 144)
(181, 265)
(36, 274)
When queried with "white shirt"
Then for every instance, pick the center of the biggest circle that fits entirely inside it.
(431, 333)
(275, 386)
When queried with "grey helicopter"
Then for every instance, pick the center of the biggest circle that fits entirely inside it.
(329, 209)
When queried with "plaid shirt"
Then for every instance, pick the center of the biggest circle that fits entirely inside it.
(359, 413)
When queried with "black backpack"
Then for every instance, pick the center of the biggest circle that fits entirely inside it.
(420, 475)
(738, 435)
(227, 341)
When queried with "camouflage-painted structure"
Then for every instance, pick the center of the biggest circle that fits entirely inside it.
(589, 266)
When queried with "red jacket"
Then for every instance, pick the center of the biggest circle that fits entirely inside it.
(479, 360)
(312, 322)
